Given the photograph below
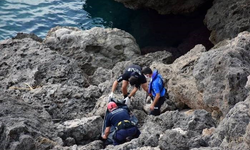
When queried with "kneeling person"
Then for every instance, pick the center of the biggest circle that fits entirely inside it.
(120, 119)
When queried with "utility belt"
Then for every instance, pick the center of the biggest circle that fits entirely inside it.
(125, 124)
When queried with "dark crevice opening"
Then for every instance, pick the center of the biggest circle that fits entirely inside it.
(154, 32)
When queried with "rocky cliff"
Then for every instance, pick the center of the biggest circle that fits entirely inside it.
(225, 19)
(166, 6)
(54, 92)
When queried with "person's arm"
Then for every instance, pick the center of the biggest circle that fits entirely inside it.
(132, 93)
(157, 97)
(106, 133)
(145, 87)
(115, 84)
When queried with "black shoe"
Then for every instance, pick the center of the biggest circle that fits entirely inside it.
(126, 95)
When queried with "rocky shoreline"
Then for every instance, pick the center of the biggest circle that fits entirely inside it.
(54, 92)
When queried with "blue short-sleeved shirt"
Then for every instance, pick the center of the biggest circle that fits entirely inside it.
(157, 86)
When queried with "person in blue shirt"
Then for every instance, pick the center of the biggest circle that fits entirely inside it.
(156, 89)
(120, 119)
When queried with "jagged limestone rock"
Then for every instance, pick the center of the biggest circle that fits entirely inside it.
(226, 19)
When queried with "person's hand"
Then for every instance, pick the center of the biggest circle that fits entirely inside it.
(104, 137)
(127, 100)
(111, 95)
(152, 107)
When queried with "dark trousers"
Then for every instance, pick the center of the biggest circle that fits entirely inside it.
(124, 135)
(158, 105)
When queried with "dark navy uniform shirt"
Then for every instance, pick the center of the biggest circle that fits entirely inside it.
(133, 70)
(117, 115)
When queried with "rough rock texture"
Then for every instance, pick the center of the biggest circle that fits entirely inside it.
(93, 48)
(213, 80)
(40, 75)
(81, 131)
(165, 6)
(40, 85)
(230, 133)
(247, 136)
(227, 18)
(48, 101)
(181, 83)
(221, 74)
(24, 126)
(168, 128)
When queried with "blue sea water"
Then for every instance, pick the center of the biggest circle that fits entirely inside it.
(38, 16)
(147, 26)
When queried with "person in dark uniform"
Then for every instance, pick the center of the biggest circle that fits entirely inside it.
(131, 75)
(120, 119)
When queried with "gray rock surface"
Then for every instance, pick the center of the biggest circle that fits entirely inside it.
(165, 6)
(24, 126)
(48, 83)
(49, 101)
(221, 74)
(93, 48)
(80, 131)
(181, 83)
(212, 80)
(226, 19)
(232, 128)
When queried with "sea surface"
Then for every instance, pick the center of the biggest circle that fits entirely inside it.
(38, 16)
(147, 26)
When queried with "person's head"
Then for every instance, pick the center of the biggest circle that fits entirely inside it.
(147, 72)
(133, 80)
(112, 106)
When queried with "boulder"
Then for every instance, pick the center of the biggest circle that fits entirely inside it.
(167, 129)
(81, 131)
(27, 64)
(179, 80)
(232, 131)
(24, 126)
(212, 80)
(93, 48)
(226, 19)
(221, 74)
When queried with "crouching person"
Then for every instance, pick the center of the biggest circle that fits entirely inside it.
(120, 119)
(156, 89)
